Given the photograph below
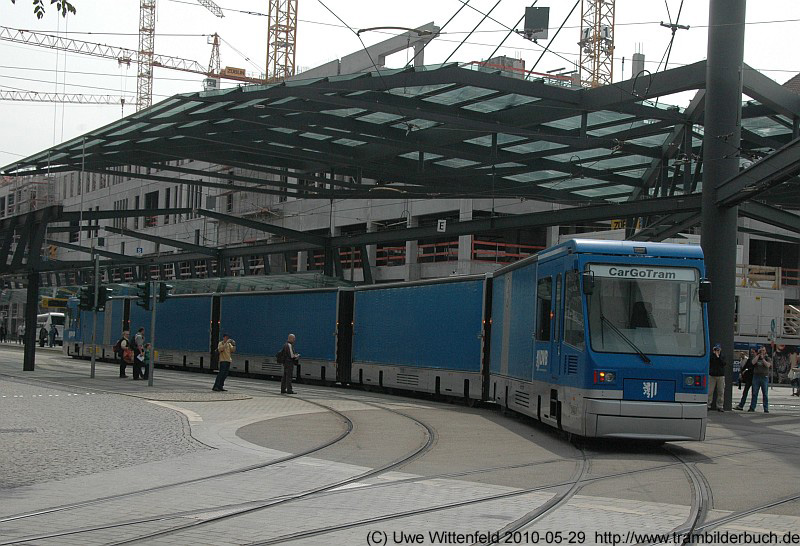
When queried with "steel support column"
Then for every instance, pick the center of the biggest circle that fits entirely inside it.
(31, 310)
(721, 162)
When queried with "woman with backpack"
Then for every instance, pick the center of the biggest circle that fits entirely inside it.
(746, 377)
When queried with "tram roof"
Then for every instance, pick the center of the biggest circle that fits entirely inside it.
(443, 131)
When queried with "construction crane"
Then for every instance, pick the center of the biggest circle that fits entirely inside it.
(122, 56)
(281, 39)
(597, 42)
(68, 98)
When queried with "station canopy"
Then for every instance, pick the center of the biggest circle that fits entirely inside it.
(445, 131)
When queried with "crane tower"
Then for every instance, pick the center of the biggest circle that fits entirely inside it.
(597, 42)
(281, 39)
(147, 38)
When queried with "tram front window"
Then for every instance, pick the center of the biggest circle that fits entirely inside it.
(653, 309)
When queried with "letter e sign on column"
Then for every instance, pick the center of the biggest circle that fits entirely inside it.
(441, 226)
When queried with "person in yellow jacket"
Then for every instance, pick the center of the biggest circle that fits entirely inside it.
(225, 348)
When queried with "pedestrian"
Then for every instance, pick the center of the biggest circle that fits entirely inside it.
(290, 358)
(225, 348)
(148, 351)
(716, 379)
(138, 354)
(761, 370)
(53, 335)
(794, 378)
(42, 336)
(746, 377)
(120, 348)
(3, 333)
(21, 333)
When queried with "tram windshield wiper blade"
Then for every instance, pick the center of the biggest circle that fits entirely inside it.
(625, 338)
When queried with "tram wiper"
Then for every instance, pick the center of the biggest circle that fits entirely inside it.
(625, 338)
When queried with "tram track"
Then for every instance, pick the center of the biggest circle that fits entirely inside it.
(701, 502)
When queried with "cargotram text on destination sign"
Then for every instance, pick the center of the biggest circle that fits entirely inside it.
(640, 273)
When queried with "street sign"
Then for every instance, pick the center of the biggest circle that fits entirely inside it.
(139, 250)
(53, 303)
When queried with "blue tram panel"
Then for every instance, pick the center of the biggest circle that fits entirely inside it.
(436, 325)
(260, 323)
(182, 323)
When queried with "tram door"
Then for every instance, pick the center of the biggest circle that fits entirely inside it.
(549, 296)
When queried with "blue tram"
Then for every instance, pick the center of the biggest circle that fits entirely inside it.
(604, 339)
(597, 338)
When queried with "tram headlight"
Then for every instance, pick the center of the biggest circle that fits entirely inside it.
(604, 376)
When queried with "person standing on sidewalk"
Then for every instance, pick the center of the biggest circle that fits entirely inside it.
(138, 354)
(119, 351)
(225, 348)
(763, 365)
(716, 379)
(290, 358)
(746, 377)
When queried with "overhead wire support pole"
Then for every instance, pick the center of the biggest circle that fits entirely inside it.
(151, 363)
(96, 258)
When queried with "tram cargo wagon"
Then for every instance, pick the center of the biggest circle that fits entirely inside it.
(596, 338)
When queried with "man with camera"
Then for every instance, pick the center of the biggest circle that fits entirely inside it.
(761, 370)
(225, 348)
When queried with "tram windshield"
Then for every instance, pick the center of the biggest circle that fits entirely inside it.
(653, 309)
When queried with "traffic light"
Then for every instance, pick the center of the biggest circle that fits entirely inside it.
(164, 290)
(144, 295)
(103, 293)
(86, 298)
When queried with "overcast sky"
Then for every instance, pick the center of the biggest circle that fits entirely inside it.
(182, 28)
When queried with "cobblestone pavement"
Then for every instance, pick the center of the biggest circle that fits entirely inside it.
(66, 439)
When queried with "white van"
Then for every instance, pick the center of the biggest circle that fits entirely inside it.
(47, 320)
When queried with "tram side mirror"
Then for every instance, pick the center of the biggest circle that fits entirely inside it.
(705, 291)
(588, 282)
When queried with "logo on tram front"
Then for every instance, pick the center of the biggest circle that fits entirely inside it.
(649, 389)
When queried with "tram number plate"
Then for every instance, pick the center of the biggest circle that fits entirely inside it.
(649, 389)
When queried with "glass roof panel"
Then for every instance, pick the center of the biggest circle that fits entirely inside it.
(533, 176)
(578, 156)
(211, 107)
(188, 105)
(508, 165)
(571, 183)
(157, 128)
(502, 138)
(567, 124)
(155, 108)
(280, 145)
(248, 104)
(282, 130)
(315, 136)
(457, 163)
(500, 103)
(619, 161)
(192, 124)
(89, 144)
(379, 118)
(652, 140)
(282, 101)
(605, 116)
(626, 126)
(604, 191)
(633, 173)
(343, 112)
(116, 143)
(765, 126)
(416, 124)
(417, 90)
(224, 121)
(146, 140)
(129, 129)
(462, 94)
(415, 156)
(535, 146)
(349, 142)
(335, 129)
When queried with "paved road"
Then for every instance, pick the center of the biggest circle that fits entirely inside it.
(341, 466)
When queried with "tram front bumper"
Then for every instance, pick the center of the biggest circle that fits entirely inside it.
(668, 421)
